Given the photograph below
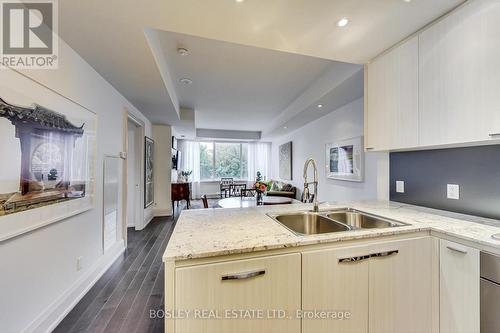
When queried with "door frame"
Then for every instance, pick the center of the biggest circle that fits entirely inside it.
(139, 137)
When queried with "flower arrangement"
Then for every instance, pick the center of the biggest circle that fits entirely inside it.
(260, 185)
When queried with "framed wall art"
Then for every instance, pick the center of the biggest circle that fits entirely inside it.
(345, 160)
(47, 144)
(285, 161)
(149, 190)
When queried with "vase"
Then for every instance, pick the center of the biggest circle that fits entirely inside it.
(260, 199)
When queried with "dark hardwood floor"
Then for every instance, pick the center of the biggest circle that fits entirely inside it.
(121, 299)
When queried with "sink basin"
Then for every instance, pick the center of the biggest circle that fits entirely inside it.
(309, 223)
(360, 220)
(345, 219)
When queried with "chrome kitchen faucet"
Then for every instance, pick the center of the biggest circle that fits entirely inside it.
(306, 197)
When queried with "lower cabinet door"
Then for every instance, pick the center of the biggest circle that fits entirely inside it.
(401, 284)
(252, 295)
(335, 282)
(459, 288)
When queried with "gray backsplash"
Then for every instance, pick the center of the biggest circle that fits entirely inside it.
(427, 173)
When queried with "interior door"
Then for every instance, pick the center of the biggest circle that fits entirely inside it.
(131, 175)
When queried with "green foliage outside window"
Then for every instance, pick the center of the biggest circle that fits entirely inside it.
(223, 159)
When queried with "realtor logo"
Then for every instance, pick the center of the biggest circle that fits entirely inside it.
(28, 37)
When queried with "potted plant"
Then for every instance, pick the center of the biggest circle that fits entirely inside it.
(184, 175)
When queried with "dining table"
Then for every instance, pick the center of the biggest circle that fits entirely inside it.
(244, 202)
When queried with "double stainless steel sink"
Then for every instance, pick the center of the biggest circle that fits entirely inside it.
(345, 219)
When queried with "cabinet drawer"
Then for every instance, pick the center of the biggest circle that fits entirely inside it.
(260, 285)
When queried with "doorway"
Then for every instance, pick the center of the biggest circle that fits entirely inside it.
(135, 187)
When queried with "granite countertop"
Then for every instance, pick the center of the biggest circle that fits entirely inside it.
(206, 233)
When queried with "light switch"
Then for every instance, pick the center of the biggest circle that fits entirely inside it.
(453, 191)
(400, 186)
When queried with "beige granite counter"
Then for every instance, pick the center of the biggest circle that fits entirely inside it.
(215, 232)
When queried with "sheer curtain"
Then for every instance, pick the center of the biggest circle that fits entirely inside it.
(259, 159)
(190, 160)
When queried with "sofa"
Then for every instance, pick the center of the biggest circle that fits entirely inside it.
(281, 189)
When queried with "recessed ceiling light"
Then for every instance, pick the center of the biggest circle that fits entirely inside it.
(320, 106)
(407, 0)
(285, 127)
(182, 51)
(239, 1)
(343, 22)
(185, 80)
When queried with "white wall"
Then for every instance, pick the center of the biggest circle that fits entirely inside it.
(162, 135)
(39, 281)
(310, 140)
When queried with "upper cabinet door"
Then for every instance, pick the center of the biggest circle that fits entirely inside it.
(459, 69)
(392, 99)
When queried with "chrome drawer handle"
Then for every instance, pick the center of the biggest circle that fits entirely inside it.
(494, 134)
(354, 259)
(243, 276)
(456, 249)
(384, 254)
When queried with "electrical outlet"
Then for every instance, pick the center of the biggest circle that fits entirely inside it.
(400, 186)
(79, 263)
(453, 191)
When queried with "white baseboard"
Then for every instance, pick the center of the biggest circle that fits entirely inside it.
(147, 219)
(158, 212)
(48, 320)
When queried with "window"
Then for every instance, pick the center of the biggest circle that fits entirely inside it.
(223, 159)
(47, 162)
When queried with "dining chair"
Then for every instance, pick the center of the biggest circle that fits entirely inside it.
(205, 200)
(239, 190)
(225, 186)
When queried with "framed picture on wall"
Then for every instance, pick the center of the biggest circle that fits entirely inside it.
(345, 160)
(47, 144)
(149, 189)
(285, 161)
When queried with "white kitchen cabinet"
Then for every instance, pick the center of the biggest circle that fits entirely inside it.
(392, 99)
(459, 288)
(401, 287)
(329, 283)
(388, 288)
(268, 283)
(459, 76)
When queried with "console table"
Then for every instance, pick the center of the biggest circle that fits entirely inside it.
(180, 191)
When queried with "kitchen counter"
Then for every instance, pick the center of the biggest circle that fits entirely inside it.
(207, 233)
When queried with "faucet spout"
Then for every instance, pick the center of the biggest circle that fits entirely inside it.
(306, 193)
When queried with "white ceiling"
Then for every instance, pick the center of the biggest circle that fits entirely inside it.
(235, 86)
(110, 36)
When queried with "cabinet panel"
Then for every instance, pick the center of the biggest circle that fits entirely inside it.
(392, 99)
(392, 292)
(459, 76)
(401, 287)
(459, 288)
(328, 284)
(205, 288)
